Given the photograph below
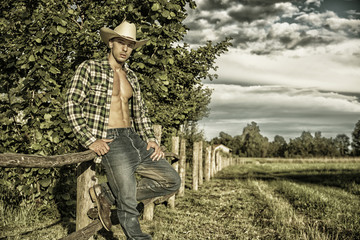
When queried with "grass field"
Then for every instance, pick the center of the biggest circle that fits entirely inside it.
(248, 201)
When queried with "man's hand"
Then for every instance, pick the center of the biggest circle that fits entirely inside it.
(158, 154)
(100, 146)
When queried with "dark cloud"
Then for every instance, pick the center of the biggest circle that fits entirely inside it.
(266, 27)
(252, 13)
(211, 5)
(263, 3)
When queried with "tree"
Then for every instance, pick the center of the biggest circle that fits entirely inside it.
(342, 143)
(356, 140)
(302, 146)
(253, 144)
(278, 148)
(43, 41)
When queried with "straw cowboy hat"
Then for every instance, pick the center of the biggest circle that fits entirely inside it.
(125, 30)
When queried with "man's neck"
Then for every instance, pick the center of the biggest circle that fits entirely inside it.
(114, 64)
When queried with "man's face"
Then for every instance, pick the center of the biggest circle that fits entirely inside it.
(121, 49)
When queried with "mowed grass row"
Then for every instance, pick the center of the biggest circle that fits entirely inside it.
(250, 201)
(268, 201)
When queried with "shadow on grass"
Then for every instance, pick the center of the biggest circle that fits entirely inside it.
(340, 178)
(25, 234)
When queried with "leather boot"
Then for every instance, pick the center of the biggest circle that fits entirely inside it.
(131, 227)
(103, 206)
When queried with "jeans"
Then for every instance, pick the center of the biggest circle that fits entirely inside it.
(127, 156)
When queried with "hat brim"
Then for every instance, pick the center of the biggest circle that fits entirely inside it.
(107, 34)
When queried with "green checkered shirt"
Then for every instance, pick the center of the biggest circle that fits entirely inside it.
(88, 100)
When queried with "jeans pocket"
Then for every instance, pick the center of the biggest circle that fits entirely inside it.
(110, 137)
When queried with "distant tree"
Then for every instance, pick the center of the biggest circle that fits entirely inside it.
(236, 145)
(278, 148)
(323, 146)
(302, 146)
(253, 144)
(342, 143)
(356, 140)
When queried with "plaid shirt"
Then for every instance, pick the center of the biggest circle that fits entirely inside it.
(88, 100)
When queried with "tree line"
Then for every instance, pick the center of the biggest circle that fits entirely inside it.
(252, 144)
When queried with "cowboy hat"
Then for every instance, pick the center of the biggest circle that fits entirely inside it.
(125, 30)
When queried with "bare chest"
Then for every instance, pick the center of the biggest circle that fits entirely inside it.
(121, 87)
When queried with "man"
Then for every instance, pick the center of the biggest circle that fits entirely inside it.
(107, 113)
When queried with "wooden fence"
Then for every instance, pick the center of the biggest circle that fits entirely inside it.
(205, 164)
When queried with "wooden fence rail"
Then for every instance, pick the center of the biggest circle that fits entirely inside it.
(33, 161)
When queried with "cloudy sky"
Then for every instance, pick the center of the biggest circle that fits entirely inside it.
(294, 65)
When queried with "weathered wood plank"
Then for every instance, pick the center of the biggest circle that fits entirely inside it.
(86, 232)
(200, 159)
(182, 166)
(85, 179)
(32, 160)
(195, 169)
(29, 160)
(207, 163)
(175, 144)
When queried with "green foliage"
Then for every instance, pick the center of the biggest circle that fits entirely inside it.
(278, 148)
(356, 140)
(42, 43)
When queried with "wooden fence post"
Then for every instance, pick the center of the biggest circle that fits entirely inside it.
(175, 141)
(149, 208)
(213, 163)
(182, 166)
(85, 179)
(207, 166)
(219, 161)
(195, 172)
(201, 170)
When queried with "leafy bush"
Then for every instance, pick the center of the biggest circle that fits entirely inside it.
(41, 44)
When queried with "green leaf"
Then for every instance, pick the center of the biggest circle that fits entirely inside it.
(67, 129)
(66, 196)
(45, 182)
(47, 116)
(155, 7)
(44, 171)
(31, 58)
(163, 76)
(38, 40)
(42, 62)
(54, 70)
(61, 29)
(171, 61)
(165, 89)
(36, 146)
(165, 14)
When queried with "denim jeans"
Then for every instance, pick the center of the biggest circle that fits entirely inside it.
(127, 156)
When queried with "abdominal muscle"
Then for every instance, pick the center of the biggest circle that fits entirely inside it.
(119, 108)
